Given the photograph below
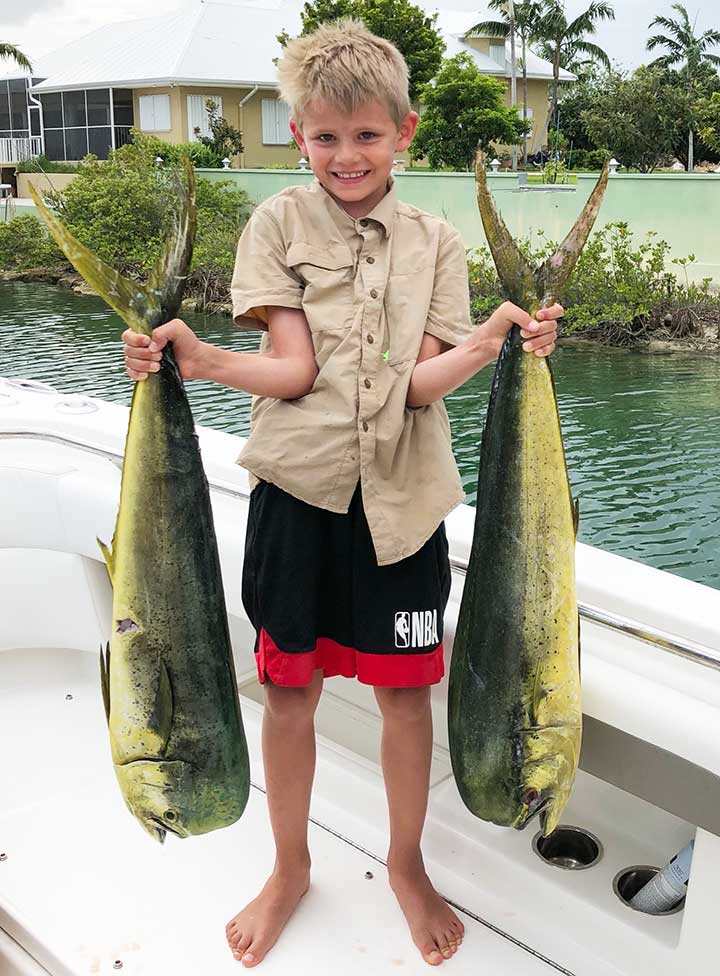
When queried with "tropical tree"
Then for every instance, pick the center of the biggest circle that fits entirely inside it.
(708, 115)
(410, 29)
(464, 111)
(564, 41)
(685, 48)
(638, 117)
(9, 51)
(525, 19)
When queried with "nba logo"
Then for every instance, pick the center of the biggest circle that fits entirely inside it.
(402, 629)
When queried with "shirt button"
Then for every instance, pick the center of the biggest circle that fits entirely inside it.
(371, 339)
(368, 384)
(364, 222)
(373, 293)
(365, 426)
(370, 260)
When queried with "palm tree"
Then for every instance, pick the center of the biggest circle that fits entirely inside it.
(564, 40)
(524, 18)
(684, 47)
(10, 51)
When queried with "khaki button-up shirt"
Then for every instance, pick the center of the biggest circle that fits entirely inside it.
(370, 288)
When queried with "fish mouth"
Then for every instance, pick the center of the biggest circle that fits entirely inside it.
(161, 829)
(536, 805)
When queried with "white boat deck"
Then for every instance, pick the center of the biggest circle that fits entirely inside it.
(83, 886)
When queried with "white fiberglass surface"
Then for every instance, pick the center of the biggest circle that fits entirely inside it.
(82, 886)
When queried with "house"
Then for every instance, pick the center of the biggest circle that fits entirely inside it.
(157, 74)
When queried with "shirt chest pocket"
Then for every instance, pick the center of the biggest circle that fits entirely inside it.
(407, 303)
(327, 274)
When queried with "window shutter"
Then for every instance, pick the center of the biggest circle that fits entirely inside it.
(275, 122)
(198, 115)
(155, 113)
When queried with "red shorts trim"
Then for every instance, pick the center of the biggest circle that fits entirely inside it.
(380, 670)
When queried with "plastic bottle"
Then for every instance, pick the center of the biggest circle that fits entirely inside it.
(668, 887)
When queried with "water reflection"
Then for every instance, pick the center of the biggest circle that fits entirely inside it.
(641, 432)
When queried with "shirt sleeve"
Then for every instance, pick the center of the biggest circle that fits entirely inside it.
(449, 314)
(261, 276)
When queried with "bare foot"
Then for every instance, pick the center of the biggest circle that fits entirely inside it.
(255, 930)
(435, 928)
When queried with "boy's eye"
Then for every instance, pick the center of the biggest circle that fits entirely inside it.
(368, 135)
(325, 137)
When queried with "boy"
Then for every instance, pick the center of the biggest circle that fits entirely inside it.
(364, 303)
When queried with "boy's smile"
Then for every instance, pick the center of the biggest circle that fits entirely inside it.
(351, 153)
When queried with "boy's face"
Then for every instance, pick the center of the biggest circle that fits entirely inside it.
(352, 153)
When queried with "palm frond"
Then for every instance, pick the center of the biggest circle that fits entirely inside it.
(9, 51)
(491, 28)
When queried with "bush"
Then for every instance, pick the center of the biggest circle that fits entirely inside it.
(620, 291)
(25, 244)
(41, 164)
(122, 209)
(592, 160)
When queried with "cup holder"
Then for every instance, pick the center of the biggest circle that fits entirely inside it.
(629, 881)
(568, 848)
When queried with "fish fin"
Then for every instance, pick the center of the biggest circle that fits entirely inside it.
(552, 276)
(517, 276)
(576, 515)
(169, 273)
(140, 306)
(105, 679)
(109, 558)
(161, 718)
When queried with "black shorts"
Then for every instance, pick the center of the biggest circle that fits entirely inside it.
(318, 600)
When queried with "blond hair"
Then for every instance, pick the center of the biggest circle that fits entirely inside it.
(344, 64)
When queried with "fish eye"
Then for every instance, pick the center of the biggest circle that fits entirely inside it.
(531, 796)
(169, 815)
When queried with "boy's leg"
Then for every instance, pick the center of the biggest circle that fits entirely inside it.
(406, 755)
(288, 739)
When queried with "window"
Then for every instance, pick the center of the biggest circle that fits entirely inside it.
(74, 108)
(123, 106)
(497, 52)
(525, 113)
(98, 107)
(198, 117)
(275, 122)
(54, 144)
(155, 113)
(52, 111)
(78, 122)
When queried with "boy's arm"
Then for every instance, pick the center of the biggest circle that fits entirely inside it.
(286, 372)
(438, 373)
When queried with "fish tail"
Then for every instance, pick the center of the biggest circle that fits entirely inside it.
(552, 276)
(515, 272)
(141, 306)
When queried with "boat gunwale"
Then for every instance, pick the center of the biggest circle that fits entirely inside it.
(690, 650)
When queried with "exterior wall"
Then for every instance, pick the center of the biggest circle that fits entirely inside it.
(538, 101)
(660, 203)
(248, 119)
(42, 182)
(177, 133)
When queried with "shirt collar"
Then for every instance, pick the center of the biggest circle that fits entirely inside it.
(383, 213)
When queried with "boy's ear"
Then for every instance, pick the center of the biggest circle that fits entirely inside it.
(406, 132)
(297, 136)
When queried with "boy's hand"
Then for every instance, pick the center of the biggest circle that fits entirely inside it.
(143, 355)
(541, 332)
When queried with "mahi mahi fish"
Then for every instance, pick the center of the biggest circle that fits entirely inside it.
(514, 707)
(168, 679)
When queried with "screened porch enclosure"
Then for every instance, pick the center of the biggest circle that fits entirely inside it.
(82, 121)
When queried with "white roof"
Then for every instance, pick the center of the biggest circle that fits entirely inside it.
(218, 42)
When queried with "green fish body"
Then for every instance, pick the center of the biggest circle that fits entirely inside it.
(168, 679)
(514, 705)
